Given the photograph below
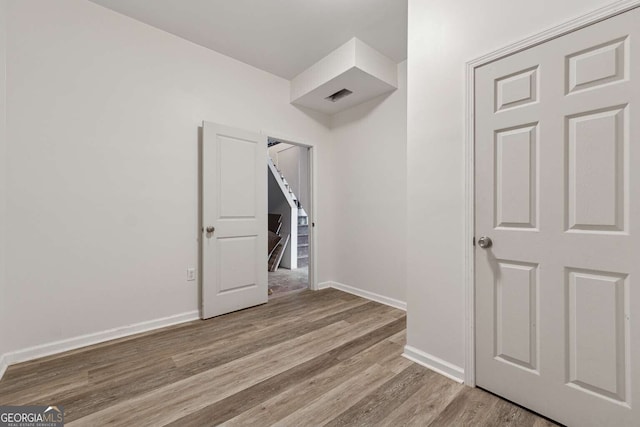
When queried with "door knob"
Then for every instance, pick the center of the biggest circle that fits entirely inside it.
(210, 229)
(485, 242)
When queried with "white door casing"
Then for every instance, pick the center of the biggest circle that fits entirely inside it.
(311, 167)
(234, 209)
(554, 189)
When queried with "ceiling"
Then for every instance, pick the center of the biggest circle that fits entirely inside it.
(283, 37)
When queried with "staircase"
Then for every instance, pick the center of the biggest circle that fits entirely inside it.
(303, 238)
(283, 183)
(302, 244)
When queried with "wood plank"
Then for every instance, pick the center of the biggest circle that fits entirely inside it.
(400, 338)
(116, 372)
(42, 391)
(92, 400)
(236, 347)
(307, 358)
(183, 397)
(338, 399)
(425, 404)
(471, 406)
(292, 388)
(372, 408)
(509, 415)
(543, 422)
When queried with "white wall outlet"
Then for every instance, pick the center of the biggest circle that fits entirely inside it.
(191, 274)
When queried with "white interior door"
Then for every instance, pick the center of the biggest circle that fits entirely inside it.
(558, 192)
(234, 219)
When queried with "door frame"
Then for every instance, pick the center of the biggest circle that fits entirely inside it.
(578, 23)
(313, 192)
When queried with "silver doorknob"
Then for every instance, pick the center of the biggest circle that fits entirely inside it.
(485, 242)
(210, 229)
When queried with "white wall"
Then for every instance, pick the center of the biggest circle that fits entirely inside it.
(102, 131)
(443, 35)
(4, 321)
(368, 187)
(101, 166)
(101, 171)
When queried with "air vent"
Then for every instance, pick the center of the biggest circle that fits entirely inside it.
(335, 97)
(271, 142)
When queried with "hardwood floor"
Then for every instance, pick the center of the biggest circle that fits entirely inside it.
(304, 359)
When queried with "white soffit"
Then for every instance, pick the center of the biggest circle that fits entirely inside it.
(354, 66)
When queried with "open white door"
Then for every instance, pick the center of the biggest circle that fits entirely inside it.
(234, 219)
(558, 194)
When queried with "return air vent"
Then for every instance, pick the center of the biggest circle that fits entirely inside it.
(335, 97)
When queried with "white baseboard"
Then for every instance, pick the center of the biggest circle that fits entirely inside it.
(436, 364)
(324, 285)
(365, 294)
(3, 365)
(55, 347)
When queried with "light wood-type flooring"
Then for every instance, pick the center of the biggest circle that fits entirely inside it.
(304, 359)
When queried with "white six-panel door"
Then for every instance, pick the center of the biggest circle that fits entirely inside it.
(234, 219)
(558, 192)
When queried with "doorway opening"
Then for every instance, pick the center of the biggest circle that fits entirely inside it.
(289, 223)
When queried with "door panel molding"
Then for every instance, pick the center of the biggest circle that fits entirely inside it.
(570, 26)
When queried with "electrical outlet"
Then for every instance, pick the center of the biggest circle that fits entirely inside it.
(191, 274)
